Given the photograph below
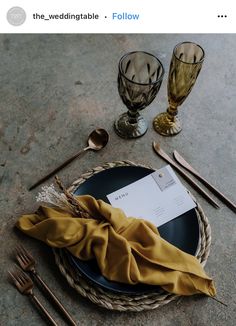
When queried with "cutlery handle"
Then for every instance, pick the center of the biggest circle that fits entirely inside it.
(219, 194)
(187, 177)
(64, 164)
(43, 310)
(55, 299)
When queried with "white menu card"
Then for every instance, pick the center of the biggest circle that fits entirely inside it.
(158, 197)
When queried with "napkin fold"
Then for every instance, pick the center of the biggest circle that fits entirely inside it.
(127, 250)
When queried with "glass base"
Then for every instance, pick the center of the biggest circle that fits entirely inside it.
(127, 130)
(166, 126)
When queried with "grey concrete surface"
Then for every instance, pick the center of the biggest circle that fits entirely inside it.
(54, 89)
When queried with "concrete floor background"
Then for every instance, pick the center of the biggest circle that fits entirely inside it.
(54, 89)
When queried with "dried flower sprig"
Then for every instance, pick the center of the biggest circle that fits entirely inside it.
(78, 209)
(49, 195)
(65, 200)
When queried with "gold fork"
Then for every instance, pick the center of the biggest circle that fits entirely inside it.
(24, 284)
(27, 263)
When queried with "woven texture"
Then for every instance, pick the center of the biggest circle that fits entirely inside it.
(121, 302)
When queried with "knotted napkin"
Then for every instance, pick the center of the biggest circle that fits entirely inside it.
(127, 250)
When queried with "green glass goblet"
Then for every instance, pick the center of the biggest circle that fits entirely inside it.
(139, 80)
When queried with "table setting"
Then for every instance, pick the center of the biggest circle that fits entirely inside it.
(127, 235)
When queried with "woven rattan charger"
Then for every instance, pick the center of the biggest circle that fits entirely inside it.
(121, 302)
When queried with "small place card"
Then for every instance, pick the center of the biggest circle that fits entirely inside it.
(158, 197)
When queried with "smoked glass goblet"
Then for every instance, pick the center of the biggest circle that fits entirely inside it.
(139, 80)
(186, 63)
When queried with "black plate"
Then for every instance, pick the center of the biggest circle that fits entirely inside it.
(182, 232)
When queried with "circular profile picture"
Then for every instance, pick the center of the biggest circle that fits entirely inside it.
(16, 16)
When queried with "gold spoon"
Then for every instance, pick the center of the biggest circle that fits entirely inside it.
(96, 141)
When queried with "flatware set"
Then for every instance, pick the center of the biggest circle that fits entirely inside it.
(21, 277)
(157, 148)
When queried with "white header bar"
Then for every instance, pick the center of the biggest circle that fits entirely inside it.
(117, 16)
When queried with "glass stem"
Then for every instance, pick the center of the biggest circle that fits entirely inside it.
(133, 117)
(172, 112)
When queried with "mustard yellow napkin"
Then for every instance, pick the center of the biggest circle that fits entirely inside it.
(127, 250)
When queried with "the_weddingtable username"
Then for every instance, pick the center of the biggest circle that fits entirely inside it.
(118, 16)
